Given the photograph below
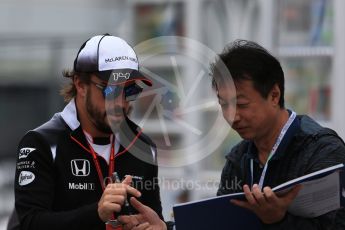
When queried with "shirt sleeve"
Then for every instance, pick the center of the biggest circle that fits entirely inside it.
(35, 191)
(326, 151)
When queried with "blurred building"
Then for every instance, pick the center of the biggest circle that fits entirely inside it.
(38, 39)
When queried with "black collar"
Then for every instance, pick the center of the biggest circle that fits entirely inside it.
(101, 140)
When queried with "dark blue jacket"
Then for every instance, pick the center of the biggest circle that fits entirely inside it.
(310, 148)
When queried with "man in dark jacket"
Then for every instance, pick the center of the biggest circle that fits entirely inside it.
(65, 169)
(278, 145)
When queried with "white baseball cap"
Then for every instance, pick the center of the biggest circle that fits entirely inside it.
(111, 59)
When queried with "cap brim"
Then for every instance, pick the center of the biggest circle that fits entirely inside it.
(117, 77)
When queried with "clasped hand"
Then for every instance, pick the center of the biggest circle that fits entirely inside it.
(269, 207)
(146, 219)
(114, 196)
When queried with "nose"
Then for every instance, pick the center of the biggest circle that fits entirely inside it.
(119, 100)
(237, 117)
(231, 114)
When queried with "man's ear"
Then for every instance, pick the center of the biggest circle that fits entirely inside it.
(80, 86)
(275, 95)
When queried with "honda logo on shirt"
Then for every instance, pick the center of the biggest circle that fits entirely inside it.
(80, 167)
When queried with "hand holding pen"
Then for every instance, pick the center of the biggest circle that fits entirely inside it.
(126, 209)
(114, 197)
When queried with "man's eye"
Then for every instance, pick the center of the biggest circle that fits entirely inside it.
(243, 105)
(107, 90)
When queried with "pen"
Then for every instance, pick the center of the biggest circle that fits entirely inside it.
(115, 223)
(126, 205)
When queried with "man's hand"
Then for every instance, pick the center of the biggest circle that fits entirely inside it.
(114, 196)
(146, 219)
(267, 205)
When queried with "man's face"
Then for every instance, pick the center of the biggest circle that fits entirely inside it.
(247, 112)
(105, 114)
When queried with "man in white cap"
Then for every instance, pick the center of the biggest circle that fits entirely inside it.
(69, 169)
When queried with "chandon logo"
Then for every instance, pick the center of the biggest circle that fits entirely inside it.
(80, 167)
(25, 177)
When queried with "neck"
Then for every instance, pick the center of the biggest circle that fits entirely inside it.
(266, 142)
(85, 121)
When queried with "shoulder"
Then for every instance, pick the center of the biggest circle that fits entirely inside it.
(55, 125)
(235, 158)
(44, 138)
(130, 130)
(145, 143)
(137, 142)
(237, 152)
(309, 128)
(52, 130)
(145, 138)
(321, 147)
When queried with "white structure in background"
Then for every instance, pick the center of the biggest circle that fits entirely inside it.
(39, 38)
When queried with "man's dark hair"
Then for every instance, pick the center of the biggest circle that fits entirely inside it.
(246, 60)
(69, 90)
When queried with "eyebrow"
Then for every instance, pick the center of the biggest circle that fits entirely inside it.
(101, 82)
(237, 97)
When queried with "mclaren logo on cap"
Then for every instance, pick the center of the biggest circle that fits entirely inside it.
(120, 58)
(121, 75)
(80, 167)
